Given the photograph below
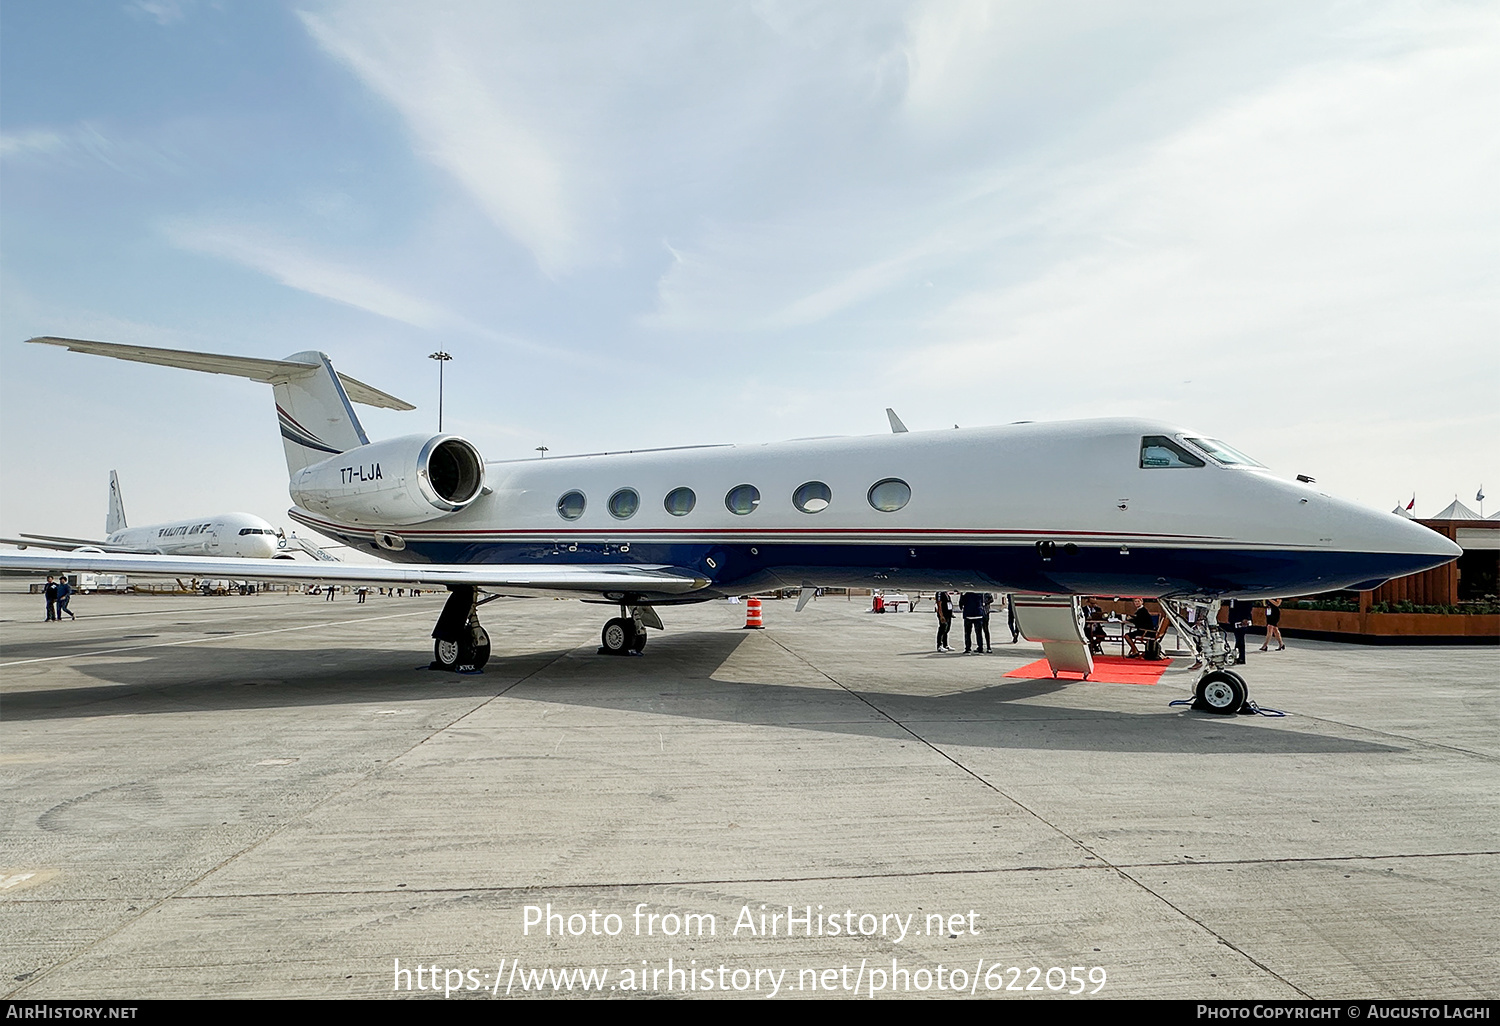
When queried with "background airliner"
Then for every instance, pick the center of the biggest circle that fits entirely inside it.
(1112, 507)
(234, 535)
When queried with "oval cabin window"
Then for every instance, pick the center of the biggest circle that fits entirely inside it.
(571, 505)
(680, 501)
(812, 497)
(623, 504)
(742, 500)
(890, 495)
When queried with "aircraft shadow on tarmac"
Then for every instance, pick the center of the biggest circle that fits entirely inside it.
(183, 680)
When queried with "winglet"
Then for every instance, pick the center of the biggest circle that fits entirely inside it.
(897, 428)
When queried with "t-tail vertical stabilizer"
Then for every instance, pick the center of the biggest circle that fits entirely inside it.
(316, 417)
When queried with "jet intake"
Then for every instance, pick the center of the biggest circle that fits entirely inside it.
(399, 481)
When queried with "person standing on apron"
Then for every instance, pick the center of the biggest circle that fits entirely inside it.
(1273, 621)
(64, 592)
(944, 603)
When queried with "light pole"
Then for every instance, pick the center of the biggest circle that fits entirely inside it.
(442, 358)
(543, 450)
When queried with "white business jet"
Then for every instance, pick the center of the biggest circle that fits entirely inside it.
(232, 535)
(1042, 511)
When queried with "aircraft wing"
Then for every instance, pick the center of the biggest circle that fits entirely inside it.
(523, 579)
(48, 541)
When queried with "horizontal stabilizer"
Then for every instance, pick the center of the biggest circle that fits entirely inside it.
(274, 372)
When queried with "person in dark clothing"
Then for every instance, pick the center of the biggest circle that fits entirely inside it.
(51, 593)
(64, 592)
(972, 604)
(1093, 626)
(1142, 625)
(1010, 619)
(1273, 630)
(1239, 622)
(944, 602)
(984, 624)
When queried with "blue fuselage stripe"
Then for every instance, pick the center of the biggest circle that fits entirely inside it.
(736, 568)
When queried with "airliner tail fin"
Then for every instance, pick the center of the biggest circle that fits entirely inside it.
(115, 520)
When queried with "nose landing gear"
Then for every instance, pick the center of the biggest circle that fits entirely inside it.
(1220, 690)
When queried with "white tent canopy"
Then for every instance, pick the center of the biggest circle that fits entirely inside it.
(1456, 511)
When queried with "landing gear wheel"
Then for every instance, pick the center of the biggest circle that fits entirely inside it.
(619, 636)
(463, 656)
(481, 647)
(1222, 692)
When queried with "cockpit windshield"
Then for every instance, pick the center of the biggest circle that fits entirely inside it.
(1224, 454)
(1160, 451)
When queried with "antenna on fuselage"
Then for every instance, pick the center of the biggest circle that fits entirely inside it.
(897, 428)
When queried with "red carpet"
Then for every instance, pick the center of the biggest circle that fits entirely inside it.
(1107, 670)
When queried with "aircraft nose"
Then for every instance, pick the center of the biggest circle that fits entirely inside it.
(1443, 547)
(1405, 543)
(1416, 539)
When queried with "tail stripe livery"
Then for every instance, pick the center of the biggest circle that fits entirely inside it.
(314, 412)
(294, 432)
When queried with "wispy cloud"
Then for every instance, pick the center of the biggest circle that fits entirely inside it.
(86, 144)
(291, 264)
(36, 142)
(163, 12)
(443, 79)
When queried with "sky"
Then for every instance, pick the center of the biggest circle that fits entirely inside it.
(656, 224)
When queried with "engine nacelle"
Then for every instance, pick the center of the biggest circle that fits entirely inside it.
(399, 481)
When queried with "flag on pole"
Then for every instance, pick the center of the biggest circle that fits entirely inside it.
(1413, 501)
(1479, 496)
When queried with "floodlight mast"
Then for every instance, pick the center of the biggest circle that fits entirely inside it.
(442, 358)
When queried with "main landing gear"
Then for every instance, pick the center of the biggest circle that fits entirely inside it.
(460, 644)
(1220, 690)
(626, 633)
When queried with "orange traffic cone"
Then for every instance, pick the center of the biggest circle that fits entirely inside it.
(752, 615)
